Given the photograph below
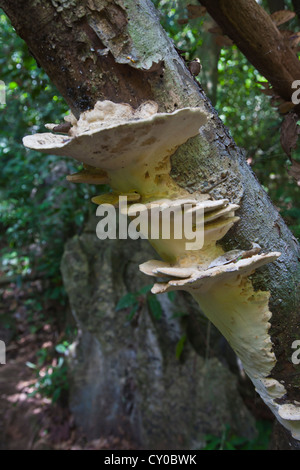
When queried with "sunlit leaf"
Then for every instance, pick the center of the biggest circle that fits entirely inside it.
(30, 365)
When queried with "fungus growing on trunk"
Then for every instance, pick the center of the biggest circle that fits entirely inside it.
(130, 150)
(225, 294)
(217, 217)
(132, 147)
(89, 175)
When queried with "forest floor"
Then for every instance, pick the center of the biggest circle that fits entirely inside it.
(29, 420)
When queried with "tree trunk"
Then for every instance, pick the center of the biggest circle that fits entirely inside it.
(117, 50)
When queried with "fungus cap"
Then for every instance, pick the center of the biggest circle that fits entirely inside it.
(182, 238)
(203, 279)
(113, 136)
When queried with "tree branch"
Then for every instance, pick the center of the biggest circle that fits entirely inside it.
(258, 38)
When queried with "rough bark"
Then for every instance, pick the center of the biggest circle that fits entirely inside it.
(141, 63)
(66, 42)
(258, 38)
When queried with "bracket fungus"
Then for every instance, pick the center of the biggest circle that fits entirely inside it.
(89, 175)
(174, 244)
(226, 295)
(131, 147)
(130, 150)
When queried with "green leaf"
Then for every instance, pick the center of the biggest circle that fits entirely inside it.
(213, 443)
(56, 395)
(30, 365)
(61, 349)
(145, 290)
(179, 314)
(171, 296)
(180, 346)
(154, 306)
(229, 446)
(61, 362)
(13, 85)
(127, 301)
(133, 312)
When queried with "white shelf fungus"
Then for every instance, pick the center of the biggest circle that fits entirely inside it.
(130, 150)
(132, 146)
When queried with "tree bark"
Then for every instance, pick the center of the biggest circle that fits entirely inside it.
(117, 50)
(258, 38)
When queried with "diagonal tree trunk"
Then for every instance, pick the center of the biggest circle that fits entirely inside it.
(117, 50)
